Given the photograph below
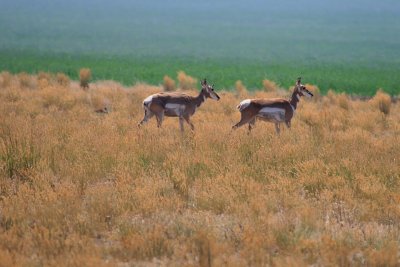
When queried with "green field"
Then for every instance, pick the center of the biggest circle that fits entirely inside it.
(352, 47)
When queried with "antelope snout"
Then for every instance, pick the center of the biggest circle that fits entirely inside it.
(216, 97)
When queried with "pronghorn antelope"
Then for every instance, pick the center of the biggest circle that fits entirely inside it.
(176, 105)
(276, 110)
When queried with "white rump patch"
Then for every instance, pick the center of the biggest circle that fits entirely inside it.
(175, 108)
(148, 100)
(244, 104)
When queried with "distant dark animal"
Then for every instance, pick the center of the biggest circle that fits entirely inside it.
(102, 110)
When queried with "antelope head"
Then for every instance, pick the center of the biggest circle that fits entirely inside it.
(208, 90)
(301, 90)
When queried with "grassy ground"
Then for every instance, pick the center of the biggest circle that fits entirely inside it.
(81, 188)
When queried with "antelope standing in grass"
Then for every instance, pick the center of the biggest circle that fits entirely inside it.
(176, 105)
(276, 110)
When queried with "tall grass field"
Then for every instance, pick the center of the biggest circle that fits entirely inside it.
(80, 188)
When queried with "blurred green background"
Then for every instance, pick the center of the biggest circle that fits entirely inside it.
(351, 46)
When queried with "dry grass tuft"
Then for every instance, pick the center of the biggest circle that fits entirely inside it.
(85, 75)
(78, 188)
(44, 79)
(44, 76)
(241, 89)
(169, 84)
(382, 101)
(186, 82)
(269, 86)
(5, 79)
(62, 79)
(343, 101)
(26, 80)
(331, 96)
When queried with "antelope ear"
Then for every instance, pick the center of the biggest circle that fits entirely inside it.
(298, 81)
(203, 82)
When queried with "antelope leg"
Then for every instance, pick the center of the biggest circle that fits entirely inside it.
(187, 119)
(147, 116)
(251, 124)
(160, 118)
(181, 123)
(243, 120)
(277, 128)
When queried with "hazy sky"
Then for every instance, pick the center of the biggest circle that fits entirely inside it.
(204, 28)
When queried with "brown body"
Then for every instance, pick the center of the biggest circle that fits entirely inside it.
(275, 110)
(176, 105)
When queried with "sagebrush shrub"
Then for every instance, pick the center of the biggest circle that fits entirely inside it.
(5, 79)
(44, 79)
(343, 101)
(26, 80)
(169, 84)
(44, 76)
(241, 89)
(186, 82)
(269, 86)
(62, 79)
(382, 101)
(85, 75)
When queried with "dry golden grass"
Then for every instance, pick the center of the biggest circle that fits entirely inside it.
(269, 86)
(341, 99)
(186, 82)
(85, 75)
(82, 189)
(382, 101)
(169, 84)
(5, 79)
(62, 79)
(241, 90)
(44, 79)
(26, 80)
